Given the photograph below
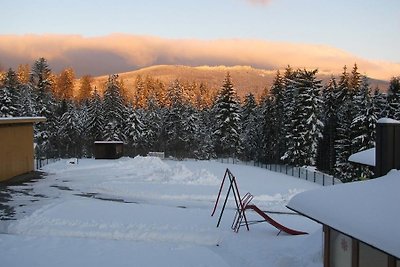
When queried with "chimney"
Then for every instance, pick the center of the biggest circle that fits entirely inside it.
(387, 153)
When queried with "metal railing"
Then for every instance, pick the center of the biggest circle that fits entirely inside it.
(40, 162)
(298, 172)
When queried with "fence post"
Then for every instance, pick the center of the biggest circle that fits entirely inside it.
(323, 180)
(299, 173)
(333, 180)
(306, 174)
(314, 177)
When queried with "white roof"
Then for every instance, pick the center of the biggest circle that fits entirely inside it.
(21, 120)
(366, 210)
(366, 157)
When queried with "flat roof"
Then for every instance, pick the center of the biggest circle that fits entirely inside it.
(21, 120)
(366, 157)
(365, 210)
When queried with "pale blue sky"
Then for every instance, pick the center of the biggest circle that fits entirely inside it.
(365, 28)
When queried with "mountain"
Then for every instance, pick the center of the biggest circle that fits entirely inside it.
(246, 79)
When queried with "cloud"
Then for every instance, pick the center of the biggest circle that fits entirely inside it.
(119, 52)
(259, 2)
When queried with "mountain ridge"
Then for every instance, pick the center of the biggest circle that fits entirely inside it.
(246, 79)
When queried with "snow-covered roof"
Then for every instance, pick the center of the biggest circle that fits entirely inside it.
(366, 210)
(108, 142)
(366, 157)
(19, 120)
(388, 120)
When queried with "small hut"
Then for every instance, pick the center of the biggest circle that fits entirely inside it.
(108, 149)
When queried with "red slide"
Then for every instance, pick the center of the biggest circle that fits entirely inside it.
(273, 222)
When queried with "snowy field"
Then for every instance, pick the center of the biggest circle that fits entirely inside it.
(149, 212)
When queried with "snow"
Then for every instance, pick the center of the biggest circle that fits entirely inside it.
(388, 121)
(366, 157)
(150, 212)
(365, 210)
(4, 120)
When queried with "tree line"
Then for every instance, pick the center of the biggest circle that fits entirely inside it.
(298, 121)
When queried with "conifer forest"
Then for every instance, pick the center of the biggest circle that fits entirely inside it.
(297, 121)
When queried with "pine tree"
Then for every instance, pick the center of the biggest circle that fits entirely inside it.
(134, 130)
(114, 111)
(343, 169)
(380, 104)
(227, 117)
(250, 135)
(289, 110)
(10, 95)
(277, 114)
(326, 155)
(44, 104)
(307, 126)
(69, 131)
(85, 88)
(363, 124)
(176, 138)
(95, 121)
(64, 88)
(393, 99)
(267, 150)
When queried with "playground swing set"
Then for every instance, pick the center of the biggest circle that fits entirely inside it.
(243, 204)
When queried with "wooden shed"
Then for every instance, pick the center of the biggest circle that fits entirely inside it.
(108, 149)
(16, 146)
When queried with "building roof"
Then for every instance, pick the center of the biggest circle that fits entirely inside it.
(366, 210)
(21, 120)
(108, 142)
(366, 157)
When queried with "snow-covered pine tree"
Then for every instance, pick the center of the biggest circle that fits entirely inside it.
(363, 124)
(227, 128)
(277, 95)
(326, 156)
(289, 110)
(153, 127)
(344, 169)
(307, 124)
(250, 122)
(10, 95)
(44, 105)
(69, 132)
(95, 122)
(133, 131)
(380, 104)
(393, 98)
(114, 111)
(204, 148)
(266, 130)
(176, 138)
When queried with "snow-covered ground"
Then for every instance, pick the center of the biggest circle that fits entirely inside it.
(149, 212)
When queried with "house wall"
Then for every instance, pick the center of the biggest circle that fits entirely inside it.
(16, 151)
(344, 251)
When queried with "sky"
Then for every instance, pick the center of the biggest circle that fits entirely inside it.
(364, 29)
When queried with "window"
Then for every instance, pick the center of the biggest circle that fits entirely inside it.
(340, 249)
(371, 257)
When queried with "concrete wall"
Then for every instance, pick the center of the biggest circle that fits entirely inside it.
(16, 150)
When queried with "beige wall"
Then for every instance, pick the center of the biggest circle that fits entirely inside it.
(16, 150)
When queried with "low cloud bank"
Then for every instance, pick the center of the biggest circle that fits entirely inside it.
(119, 52)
